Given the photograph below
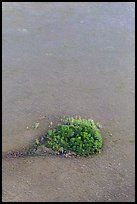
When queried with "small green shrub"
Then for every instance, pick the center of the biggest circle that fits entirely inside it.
(77, 135)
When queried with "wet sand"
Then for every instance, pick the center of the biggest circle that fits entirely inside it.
(68, 59)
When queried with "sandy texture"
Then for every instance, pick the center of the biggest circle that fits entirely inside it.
(105, 177)
(68, 59)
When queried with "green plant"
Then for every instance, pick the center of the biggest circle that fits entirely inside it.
(74, 134)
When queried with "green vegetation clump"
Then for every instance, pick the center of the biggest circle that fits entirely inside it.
(77, 135)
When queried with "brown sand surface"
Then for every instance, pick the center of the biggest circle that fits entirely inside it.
(68, 59)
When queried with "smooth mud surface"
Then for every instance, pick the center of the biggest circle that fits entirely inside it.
(68, 59)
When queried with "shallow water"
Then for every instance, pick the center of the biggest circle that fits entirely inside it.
(69, 59)
(72, 58)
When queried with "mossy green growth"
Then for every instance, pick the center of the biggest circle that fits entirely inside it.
(78, 135)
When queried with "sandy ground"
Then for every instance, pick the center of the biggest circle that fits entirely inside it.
(68, 59)
(105, 177)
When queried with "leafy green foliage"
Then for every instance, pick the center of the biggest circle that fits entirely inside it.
(78, 135)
